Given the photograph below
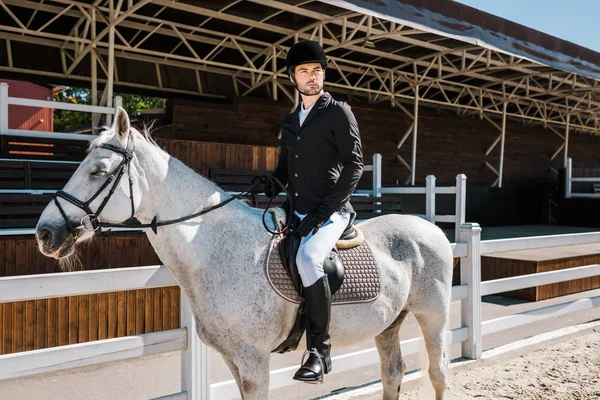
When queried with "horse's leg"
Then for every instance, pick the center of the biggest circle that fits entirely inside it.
(433, 326)
(392, 365)
(252, 366)
(234, 371)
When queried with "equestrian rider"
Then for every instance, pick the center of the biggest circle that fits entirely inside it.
(321, 163)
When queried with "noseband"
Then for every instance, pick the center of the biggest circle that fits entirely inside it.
(94, 217)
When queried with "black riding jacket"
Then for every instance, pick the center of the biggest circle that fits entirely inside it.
(321, 162)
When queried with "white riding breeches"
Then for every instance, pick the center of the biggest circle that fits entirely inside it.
(314, 248)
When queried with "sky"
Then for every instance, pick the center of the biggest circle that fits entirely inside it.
(577, 21)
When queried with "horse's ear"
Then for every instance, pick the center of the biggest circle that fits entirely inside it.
(122, 124)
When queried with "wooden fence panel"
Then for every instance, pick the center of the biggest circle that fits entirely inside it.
(44, 323)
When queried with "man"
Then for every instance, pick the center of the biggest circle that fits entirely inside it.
(321, 163)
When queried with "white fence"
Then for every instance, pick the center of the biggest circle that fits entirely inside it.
(569, 179)
(5, 101)
(430, 191)
(195, 364)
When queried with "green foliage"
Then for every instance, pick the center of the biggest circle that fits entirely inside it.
(65, 119)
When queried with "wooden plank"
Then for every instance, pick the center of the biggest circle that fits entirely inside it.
(83, 324)
(166, 306)
(63, 321)
(19, 306)
(121, 314)
(102, 316)
(30, 329)
(73, 319)
(140, 304)
(131, 309)
(17, 325)
(7, 310)
(52, 324)
(175, 307)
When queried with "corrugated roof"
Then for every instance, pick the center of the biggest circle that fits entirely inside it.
(460, 21)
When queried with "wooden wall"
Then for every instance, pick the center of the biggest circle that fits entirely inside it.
(38, 324)
(447, 144)
(201, 156)
(503, 267)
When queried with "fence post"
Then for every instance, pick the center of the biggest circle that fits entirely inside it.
(195, 359)
(3, 108)
(377, 178)
(430, 198)
(118, 102)
(376, 175)
(568, 176)
(461, 204)
(470, 275)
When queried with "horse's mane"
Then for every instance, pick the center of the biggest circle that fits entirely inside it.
(145, 132)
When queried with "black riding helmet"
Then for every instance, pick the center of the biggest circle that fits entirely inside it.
(304, 52)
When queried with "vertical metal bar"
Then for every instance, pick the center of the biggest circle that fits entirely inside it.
(501, 169)
(566, 155)
(95, 116)
(568, 178)
(9, 53)
(3, 108)
(414, 144)
(111, 62)
(274, 66)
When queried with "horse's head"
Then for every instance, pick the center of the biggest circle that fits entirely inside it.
(106, 187)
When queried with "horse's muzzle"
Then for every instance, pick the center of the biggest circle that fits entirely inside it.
(55, 241)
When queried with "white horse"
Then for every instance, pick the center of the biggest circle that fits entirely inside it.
(218, 259)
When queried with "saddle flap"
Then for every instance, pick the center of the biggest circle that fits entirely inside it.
(288, 249)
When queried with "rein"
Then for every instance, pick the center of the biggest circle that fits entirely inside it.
(127, 154)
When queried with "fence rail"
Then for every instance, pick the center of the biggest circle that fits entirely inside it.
(5, 101)
(569, 180)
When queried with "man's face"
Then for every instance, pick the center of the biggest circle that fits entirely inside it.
(309, 78)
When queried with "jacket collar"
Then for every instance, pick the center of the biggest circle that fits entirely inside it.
(319, 104)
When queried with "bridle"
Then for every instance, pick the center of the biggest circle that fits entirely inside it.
(115, 177)
(94, 217)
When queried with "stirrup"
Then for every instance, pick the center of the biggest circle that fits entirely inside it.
(315, 352)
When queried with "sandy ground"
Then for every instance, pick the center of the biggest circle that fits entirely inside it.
(569, 370)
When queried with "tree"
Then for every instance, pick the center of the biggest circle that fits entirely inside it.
(65, 120)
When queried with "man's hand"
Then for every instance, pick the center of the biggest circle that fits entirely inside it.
(313, 221)
(258, 184)
(262, 186)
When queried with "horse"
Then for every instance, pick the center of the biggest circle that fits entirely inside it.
(217, 256)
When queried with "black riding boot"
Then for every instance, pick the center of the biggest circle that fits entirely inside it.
(318, 309)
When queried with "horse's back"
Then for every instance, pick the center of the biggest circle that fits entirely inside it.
(415, 245)
(402, 231)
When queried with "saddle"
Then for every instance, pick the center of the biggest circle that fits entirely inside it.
(332, 265)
